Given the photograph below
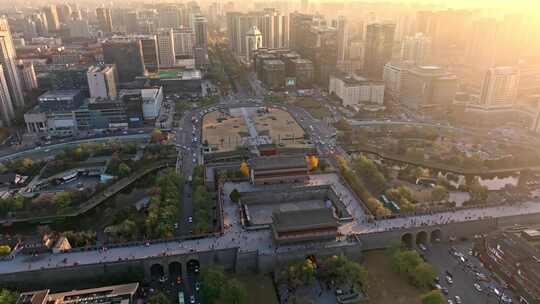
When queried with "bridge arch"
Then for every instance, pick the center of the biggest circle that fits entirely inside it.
(435, 236)
(422, 238)
(175, 269)
(407, 240)
(156, 271)
(193, 265)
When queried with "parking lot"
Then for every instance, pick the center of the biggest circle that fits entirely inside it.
(459, 271)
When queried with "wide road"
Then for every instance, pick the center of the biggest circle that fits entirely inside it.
(45, 151)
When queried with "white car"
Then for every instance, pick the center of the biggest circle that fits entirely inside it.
(449, 280)
(190, 219)
(477, 287)
(422, 247)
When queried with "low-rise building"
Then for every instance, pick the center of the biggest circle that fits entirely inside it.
(121, 294)
(356, 90)
(274, 74)
(304, 225)
(278, 169)
(428, 86)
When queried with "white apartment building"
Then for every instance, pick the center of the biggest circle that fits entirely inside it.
(356, 90)
(152, 100)
(166, 53)
(102, 81)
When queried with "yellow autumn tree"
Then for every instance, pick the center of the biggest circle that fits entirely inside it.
(312, 161)
(244, 169)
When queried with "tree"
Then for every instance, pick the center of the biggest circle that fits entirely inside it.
(343, 270)
(244, 168)
(157, 136)
(158, 298)
(235, 195)
(3, 168)
(234, 293)
(212, 281)
(478, 192)
(433, 297)
(8, 297)
(423, 275)
(439, 193)
(123, 170)
(62, 200)
(313, 162)
(4, 250)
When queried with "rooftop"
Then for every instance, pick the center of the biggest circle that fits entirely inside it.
(296, 220)
(278, 162)
(86, 296)
(274, 62)
(58, 95)
(181, 74)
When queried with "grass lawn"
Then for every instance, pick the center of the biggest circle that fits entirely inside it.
(315, 108)
(260, 288)
(384, 285)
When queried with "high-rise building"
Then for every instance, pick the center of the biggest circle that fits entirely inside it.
(394, 76)
(274, 28)
(51, 15)
(499, 87)
(200, 26)
(64, 13)
(104, 18)
(127, 56)
(131, 22)
(7, 60)
(150, 53)
(165, 42)
(40, 22)
(481, 49)
(27, 75)
(78, 28)
(342, 38)
(253, 41)
(102, 81)
(299, 25)
(416, 48)
(169, 16)
(379, 43)
(184, 41)
(7, 112)
(233, 30)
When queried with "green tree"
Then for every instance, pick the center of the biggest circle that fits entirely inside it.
(439, 193)
(8, 297)
(234, 293)
(433, 297)
(123, 170)
(343, 270)
(423, 275)
(479, 193)
(159, 298)
(156, 136)
(235, 195)
(62, 200)
(212, 281)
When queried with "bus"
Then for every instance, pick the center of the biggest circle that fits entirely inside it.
(181, 298)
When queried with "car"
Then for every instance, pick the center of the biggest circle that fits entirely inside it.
(178, 280)
(506, 299)
(190, 219)
(457, 299)
(445, 290)
(450, 301)
(192, 299)
(194, 160)
(449, 280)
(422, 247)
(197, 286)
(448, 274)
(175, 225)
(477, 287)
